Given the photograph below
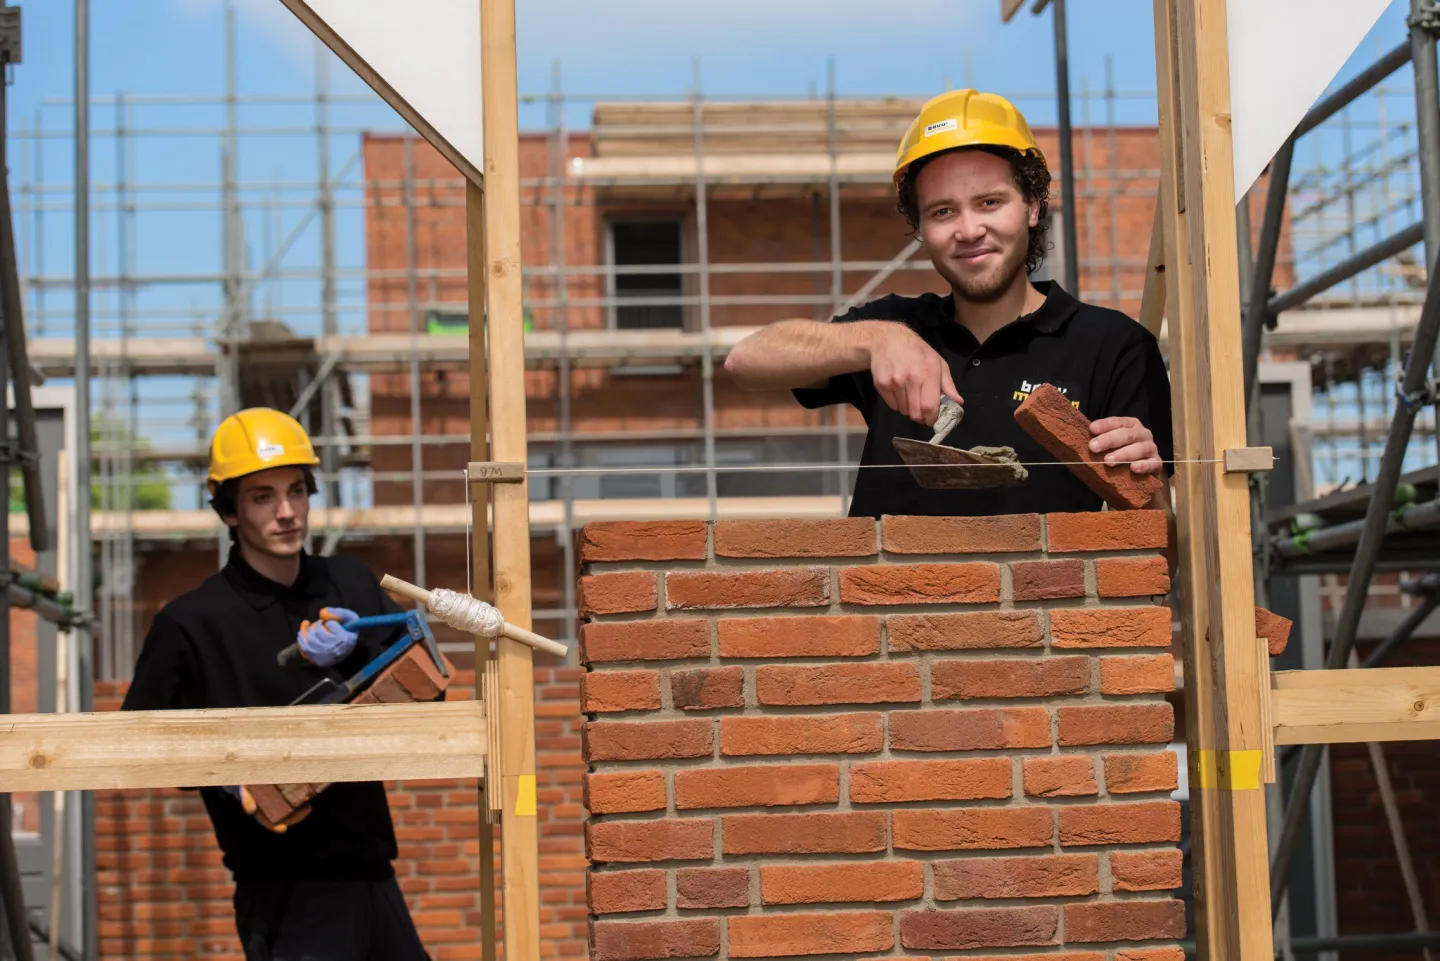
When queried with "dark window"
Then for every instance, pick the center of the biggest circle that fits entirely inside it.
(647, 243)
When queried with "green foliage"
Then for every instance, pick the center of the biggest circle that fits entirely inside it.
(150, 491)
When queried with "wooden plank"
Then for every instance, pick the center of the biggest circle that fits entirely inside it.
(1248, 460)
(1152, 298)
(1216, 516)
(253, 745)
(519, 827)
(1199, 685)
(1352, 706)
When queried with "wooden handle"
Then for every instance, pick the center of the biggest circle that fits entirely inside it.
(535, 640)
(405, 589)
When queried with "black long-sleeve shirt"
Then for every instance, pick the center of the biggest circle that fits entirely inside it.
(215, 647)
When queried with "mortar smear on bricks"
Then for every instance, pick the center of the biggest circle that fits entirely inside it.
(917, 736)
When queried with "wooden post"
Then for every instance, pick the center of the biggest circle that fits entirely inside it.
(1222, 679)
(504, 325)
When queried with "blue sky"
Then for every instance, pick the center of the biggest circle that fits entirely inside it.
(615, 47)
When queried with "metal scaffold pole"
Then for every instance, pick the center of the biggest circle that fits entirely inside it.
(559, 259)
(1424, 21)
(412, 300)
(702, 249)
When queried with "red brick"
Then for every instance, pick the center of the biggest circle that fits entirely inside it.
(1141, 773)
(1092, 531)
(859, 733)
(1273, 629)
(1064, 775)
(1009, 677)
(650, 940)
(1058, 426)
(834, 883)
(616, 892)
(621, 593)
(1110, 627)
(856, 832)
(1157, 870)
(868, 683)
(972, 829)
(1124, 921)
(711, 888)
(417, 674)
(969, 630)
(670, 839)
(620, 691)
(783, 587)
(798, 636)
(829, 537)
(647, 740)
(1146, 822)
(980, 729)
(1001, 533)
(1047, 580)
(1141, 674)
(882, 782)
(974, 583)
(789, 935)
(1115, 724)
(1041, 876)
(1172, 953)
(663, 640)
(769, 785)
(620, 792)
(706, 689)
(980, 928)
(1132, 576)
(643, 541)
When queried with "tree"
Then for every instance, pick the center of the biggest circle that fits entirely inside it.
(148, 489)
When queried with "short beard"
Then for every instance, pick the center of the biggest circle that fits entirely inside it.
(984, 290)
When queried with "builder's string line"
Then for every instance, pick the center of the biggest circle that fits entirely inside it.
(793, 468)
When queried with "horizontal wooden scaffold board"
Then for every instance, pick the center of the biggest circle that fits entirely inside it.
(1359, 704)
(257, 745)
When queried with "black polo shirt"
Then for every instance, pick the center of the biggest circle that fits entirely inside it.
(1098, 356)
(215, 647)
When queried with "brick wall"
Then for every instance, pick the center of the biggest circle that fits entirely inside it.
(825, 737)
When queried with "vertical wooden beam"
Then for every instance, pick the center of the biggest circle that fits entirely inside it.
(1152, 298)
(1223, 683)
(480, 567)
(519, 828)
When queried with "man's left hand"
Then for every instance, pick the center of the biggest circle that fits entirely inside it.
(1126, 440)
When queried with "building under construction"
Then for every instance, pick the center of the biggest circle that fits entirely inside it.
(657, 233)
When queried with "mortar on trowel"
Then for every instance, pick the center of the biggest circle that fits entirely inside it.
(938, 467)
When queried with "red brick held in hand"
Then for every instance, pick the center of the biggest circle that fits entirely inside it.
(1058, 426)
(668, 839)
(981, 729)
(624, 792)
(1132, 576)
(1141, 674)
(854, 832)
(712, 888)
(828, 537)
(602, 692)
(620, 593)
(1153, 870)
(643, 541)
(999, 534)
(1141, 773)
(618, 892)
(968, 779)
(972, 829)
(1095, 627)
(1146, 822)
(858, 733)
(785, 587)
(785, 935)
(1037, 876)
(1273, 629)
(1047, 580)
(1091, 531)
(707, 688)
(962, 631)
(974, 583)
(805, 636)
(654, 940)
(1124, 921)
(980, 928)
(770, 785)
(1061, 775)
(646, 740)
(836, 883)
(867, 683)
(677, 638)
(1009, 677)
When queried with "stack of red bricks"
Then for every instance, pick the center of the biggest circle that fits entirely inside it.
(910, 738)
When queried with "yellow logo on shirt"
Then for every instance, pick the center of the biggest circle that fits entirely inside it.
(1026, 388)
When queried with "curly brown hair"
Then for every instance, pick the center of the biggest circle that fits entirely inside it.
(1032, 177)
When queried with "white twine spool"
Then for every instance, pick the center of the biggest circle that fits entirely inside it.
(466, 613)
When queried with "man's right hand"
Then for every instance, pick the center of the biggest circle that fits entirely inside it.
(908, 373)
(242, 794)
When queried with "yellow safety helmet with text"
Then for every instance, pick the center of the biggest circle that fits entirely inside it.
(964, 118)
(257, 439)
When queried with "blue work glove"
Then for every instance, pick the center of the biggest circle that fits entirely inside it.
(326, 642)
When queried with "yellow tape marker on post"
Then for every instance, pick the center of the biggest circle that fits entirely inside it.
(1225, 770)
(525, 797)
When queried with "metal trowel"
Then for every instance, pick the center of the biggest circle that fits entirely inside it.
(939, 467)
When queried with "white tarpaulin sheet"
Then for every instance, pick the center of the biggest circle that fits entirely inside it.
(422, 56)
(1283, 55)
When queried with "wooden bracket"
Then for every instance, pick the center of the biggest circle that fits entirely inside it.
(1249, 460)
(495, 472)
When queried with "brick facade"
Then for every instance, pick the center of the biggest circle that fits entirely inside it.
(812, 738)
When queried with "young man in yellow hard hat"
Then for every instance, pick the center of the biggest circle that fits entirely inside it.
(322, 887)
(975, 188)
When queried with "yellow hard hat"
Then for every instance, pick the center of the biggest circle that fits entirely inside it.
(964, 118)
(257, 439)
